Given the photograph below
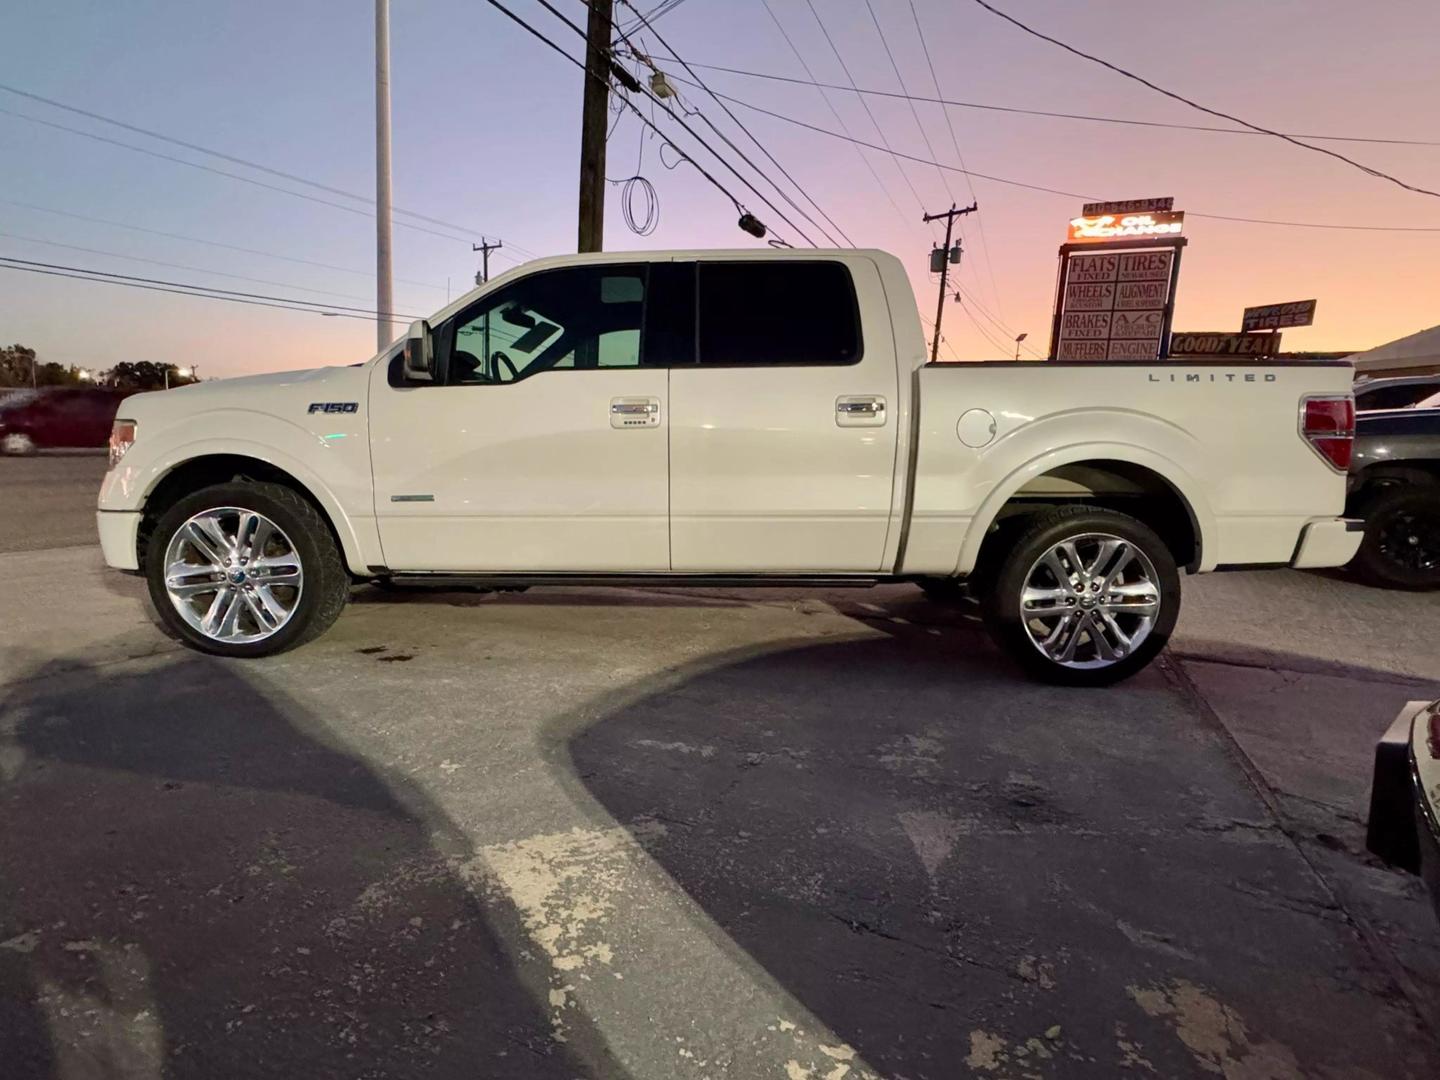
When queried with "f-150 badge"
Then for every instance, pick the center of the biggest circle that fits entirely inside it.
(334, 406)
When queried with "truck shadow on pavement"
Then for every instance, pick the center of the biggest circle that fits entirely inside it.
(198, 882)
(951, 867)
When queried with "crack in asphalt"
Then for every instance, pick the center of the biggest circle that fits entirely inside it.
(1374, 942)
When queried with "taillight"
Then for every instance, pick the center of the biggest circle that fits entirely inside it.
(1328, 425)
(122, 437)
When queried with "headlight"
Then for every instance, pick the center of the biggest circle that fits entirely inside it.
(122, 437)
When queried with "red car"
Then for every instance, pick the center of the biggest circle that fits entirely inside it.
(59, 416)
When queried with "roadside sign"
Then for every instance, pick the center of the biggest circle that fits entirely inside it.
(1274, 316)
(1115, 304)
(1097, 228)
(1128, 206)
(1224, 344)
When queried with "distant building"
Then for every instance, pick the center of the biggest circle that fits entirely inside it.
(1418, 354)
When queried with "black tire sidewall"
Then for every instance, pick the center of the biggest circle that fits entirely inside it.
(1002, 602)
(1370, 561)
(301, 534)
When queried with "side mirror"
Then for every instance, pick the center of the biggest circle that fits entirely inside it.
(419, 353)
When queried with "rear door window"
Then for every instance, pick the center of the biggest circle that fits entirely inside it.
(777, 313)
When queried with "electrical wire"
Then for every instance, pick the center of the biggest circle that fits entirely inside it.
(874, 123)
(959, 156)
(962, 294)
(206, 289)
(209, 243)
(657, 100)
(176, 266)
(8, 264)
(649, 123)
(1205, 108)
(662, 8)
(1057, 191)
(990, 107)
(914, 113)
(736, 120)
(294, 178)
(222, 172)
(864, 160)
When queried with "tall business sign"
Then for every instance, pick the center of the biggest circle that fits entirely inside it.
(1116, 292)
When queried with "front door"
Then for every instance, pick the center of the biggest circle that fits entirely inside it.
(783, 432)
(542, 444)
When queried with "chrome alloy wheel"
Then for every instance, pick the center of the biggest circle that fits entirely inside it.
(233, 575)
(1090, 600)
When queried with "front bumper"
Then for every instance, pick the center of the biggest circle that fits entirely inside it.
(119, 531)
(1328, 542)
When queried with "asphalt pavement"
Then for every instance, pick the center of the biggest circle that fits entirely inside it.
(654, 833)
(48, 500)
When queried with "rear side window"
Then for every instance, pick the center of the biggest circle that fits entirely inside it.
(777, 313)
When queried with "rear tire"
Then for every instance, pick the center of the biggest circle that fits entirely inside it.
(1401, 548)
(284, 590)
(1084, 597)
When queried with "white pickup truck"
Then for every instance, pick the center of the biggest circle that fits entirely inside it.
(736, 417)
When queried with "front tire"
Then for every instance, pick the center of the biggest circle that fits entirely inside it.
(245, 570)
(1401, 549)
(1084, 597)
(17, 444)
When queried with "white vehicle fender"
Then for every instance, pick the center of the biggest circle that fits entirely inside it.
(345, 497)
(1064, 445)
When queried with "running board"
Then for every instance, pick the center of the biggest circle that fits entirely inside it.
(668, 581)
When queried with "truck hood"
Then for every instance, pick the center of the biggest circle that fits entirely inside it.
(285, 393)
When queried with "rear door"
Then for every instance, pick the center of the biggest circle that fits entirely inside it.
(783, 432)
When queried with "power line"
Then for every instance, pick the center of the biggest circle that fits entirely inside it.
(207, 243)
(833, 112)
(959, 156)
(1205, 108)
(1008, 331)
(1056, 191)
(668, 111)
(233, 159)
(991, 107)
(222, 172)
(914, 113)
(197, 288)
(5, 264)
(662, 8)
(730, 113)
(980, 328)
(176, 266)
(875, 123)
(657, 100)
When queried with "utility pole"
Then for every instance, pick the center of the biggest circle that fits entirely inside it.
(953, 256)
(593, 116)
(485, 247)
(384, 289)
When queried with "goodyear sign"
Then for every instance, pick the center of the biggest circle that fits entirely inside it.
(1223, 344)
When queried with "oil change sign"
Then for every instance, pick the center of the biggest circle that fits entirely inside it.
(1113, 307)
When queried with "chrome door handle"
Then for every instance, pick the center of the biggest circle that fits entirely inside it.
(860, 410)
(634, 412)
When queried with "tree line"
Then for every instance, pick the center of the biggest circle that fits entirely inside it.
(20, 366)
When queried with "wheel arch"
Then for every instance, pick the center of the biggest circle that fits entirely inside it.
(218, 467)
(1132, 479)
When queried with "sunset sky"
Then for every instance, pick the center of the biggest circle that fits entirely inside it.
(486, 132)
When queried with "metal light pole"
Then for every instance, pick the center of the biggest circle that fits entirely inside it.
(384, 299)
(1019, 339)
